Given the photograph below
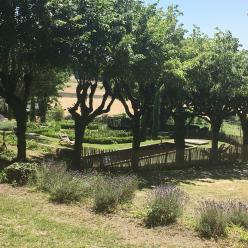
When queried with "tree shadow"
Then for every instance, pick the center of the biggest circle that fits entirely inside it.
(237, 171)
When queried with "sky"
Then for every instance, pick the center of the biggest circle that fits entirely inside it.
(209, 14)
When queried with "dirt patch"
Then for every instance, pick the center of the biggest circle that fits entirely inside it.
(130, 230)
(68, 99)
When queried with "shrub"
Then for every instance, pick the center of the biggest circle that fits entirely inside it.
(238, 213)
(105, 196)
(19, 173)
(67, 190)
(127, 185)
(111, 191)
(63, 186)
(213, 219)
(56, 114)
(165, 205)
(7, 155)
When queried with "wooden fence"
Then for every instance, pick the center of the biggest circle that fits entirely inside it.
(125, 155)
(163, 158)
(86, 151)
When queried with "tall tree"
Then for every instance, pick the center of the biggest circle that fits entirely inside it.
(139, 61)
(240, 102)
(214, 75)
(24, 46)
(86, 28)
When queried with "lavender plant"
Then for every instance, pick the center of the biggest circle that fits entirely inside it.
(165, 205)
(127, 185)
(212, 219)
(63, 186)
(111, 191)
(238, 213)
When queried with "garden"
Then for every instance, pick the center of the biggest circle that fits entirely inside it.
(197, 207)
(120, 126)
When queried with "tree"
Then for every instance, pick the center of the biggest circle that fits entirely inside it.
(45, 90)
(214, 77)
(177, 92)
(24, 45)
(241, 97)
(139, 61)
(87, 29)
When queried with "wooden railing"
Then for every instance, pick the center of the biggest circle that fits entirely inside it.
(164, 159)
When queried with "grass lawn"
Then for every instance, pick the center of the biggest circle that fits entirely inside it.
(28, 219)
(121, 146)
(231, 129)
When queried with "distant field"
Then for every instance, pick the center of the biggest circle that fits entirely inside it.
(68, 98)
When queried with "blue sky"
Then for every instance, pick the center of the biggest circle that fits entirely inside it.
(209, 14)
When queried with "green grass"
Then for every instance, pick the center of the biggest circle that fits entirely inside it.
(120, 146)
(28, 219)
(34, 223)
(231, 129)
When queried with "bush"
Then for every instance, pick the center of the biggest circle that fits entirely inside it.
(63, 186)
(19, 173)
(105, 197)
(213, 219)
(238, 213)
(111, 191)
(127, 185)
(165, 205)
(108, 140)
(7, 155)
(69, 189)
(56, 114)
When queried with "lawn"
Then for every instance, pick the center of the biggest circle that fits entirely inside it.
(28, 219)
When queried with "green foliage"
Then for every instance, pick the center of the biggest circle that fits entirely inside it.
(213, 219)
(105, 197)
(165, 205)
(19, 173)
(56, 113)
(238, 213)
(7, 155)
(111, 191)
(63, 186)
(7, 125)
(96, 133)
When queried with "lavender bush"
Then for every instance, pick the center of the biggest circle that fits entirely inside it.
(212, 219)
(111, 191)
(238, 213)
(63, 186)
(127, 185)
(165, 205)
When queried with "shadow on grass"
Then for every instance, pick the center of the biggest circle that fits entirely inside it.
(237, 171)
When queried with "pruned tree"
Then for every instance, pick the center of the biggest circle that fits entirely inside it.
(240, 102)
(214, 76)
(140, 59)
(24, 46)
(87, 30)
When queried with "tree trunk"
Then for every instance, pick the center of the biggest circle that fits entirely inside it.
(215, 128)
(180, 131)
(164, 116)
(21, 120)
(244, 125)
(144, 125)
(156, 117)
(43, 107)
(78, 145)
(32, 110)
(136, 143)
